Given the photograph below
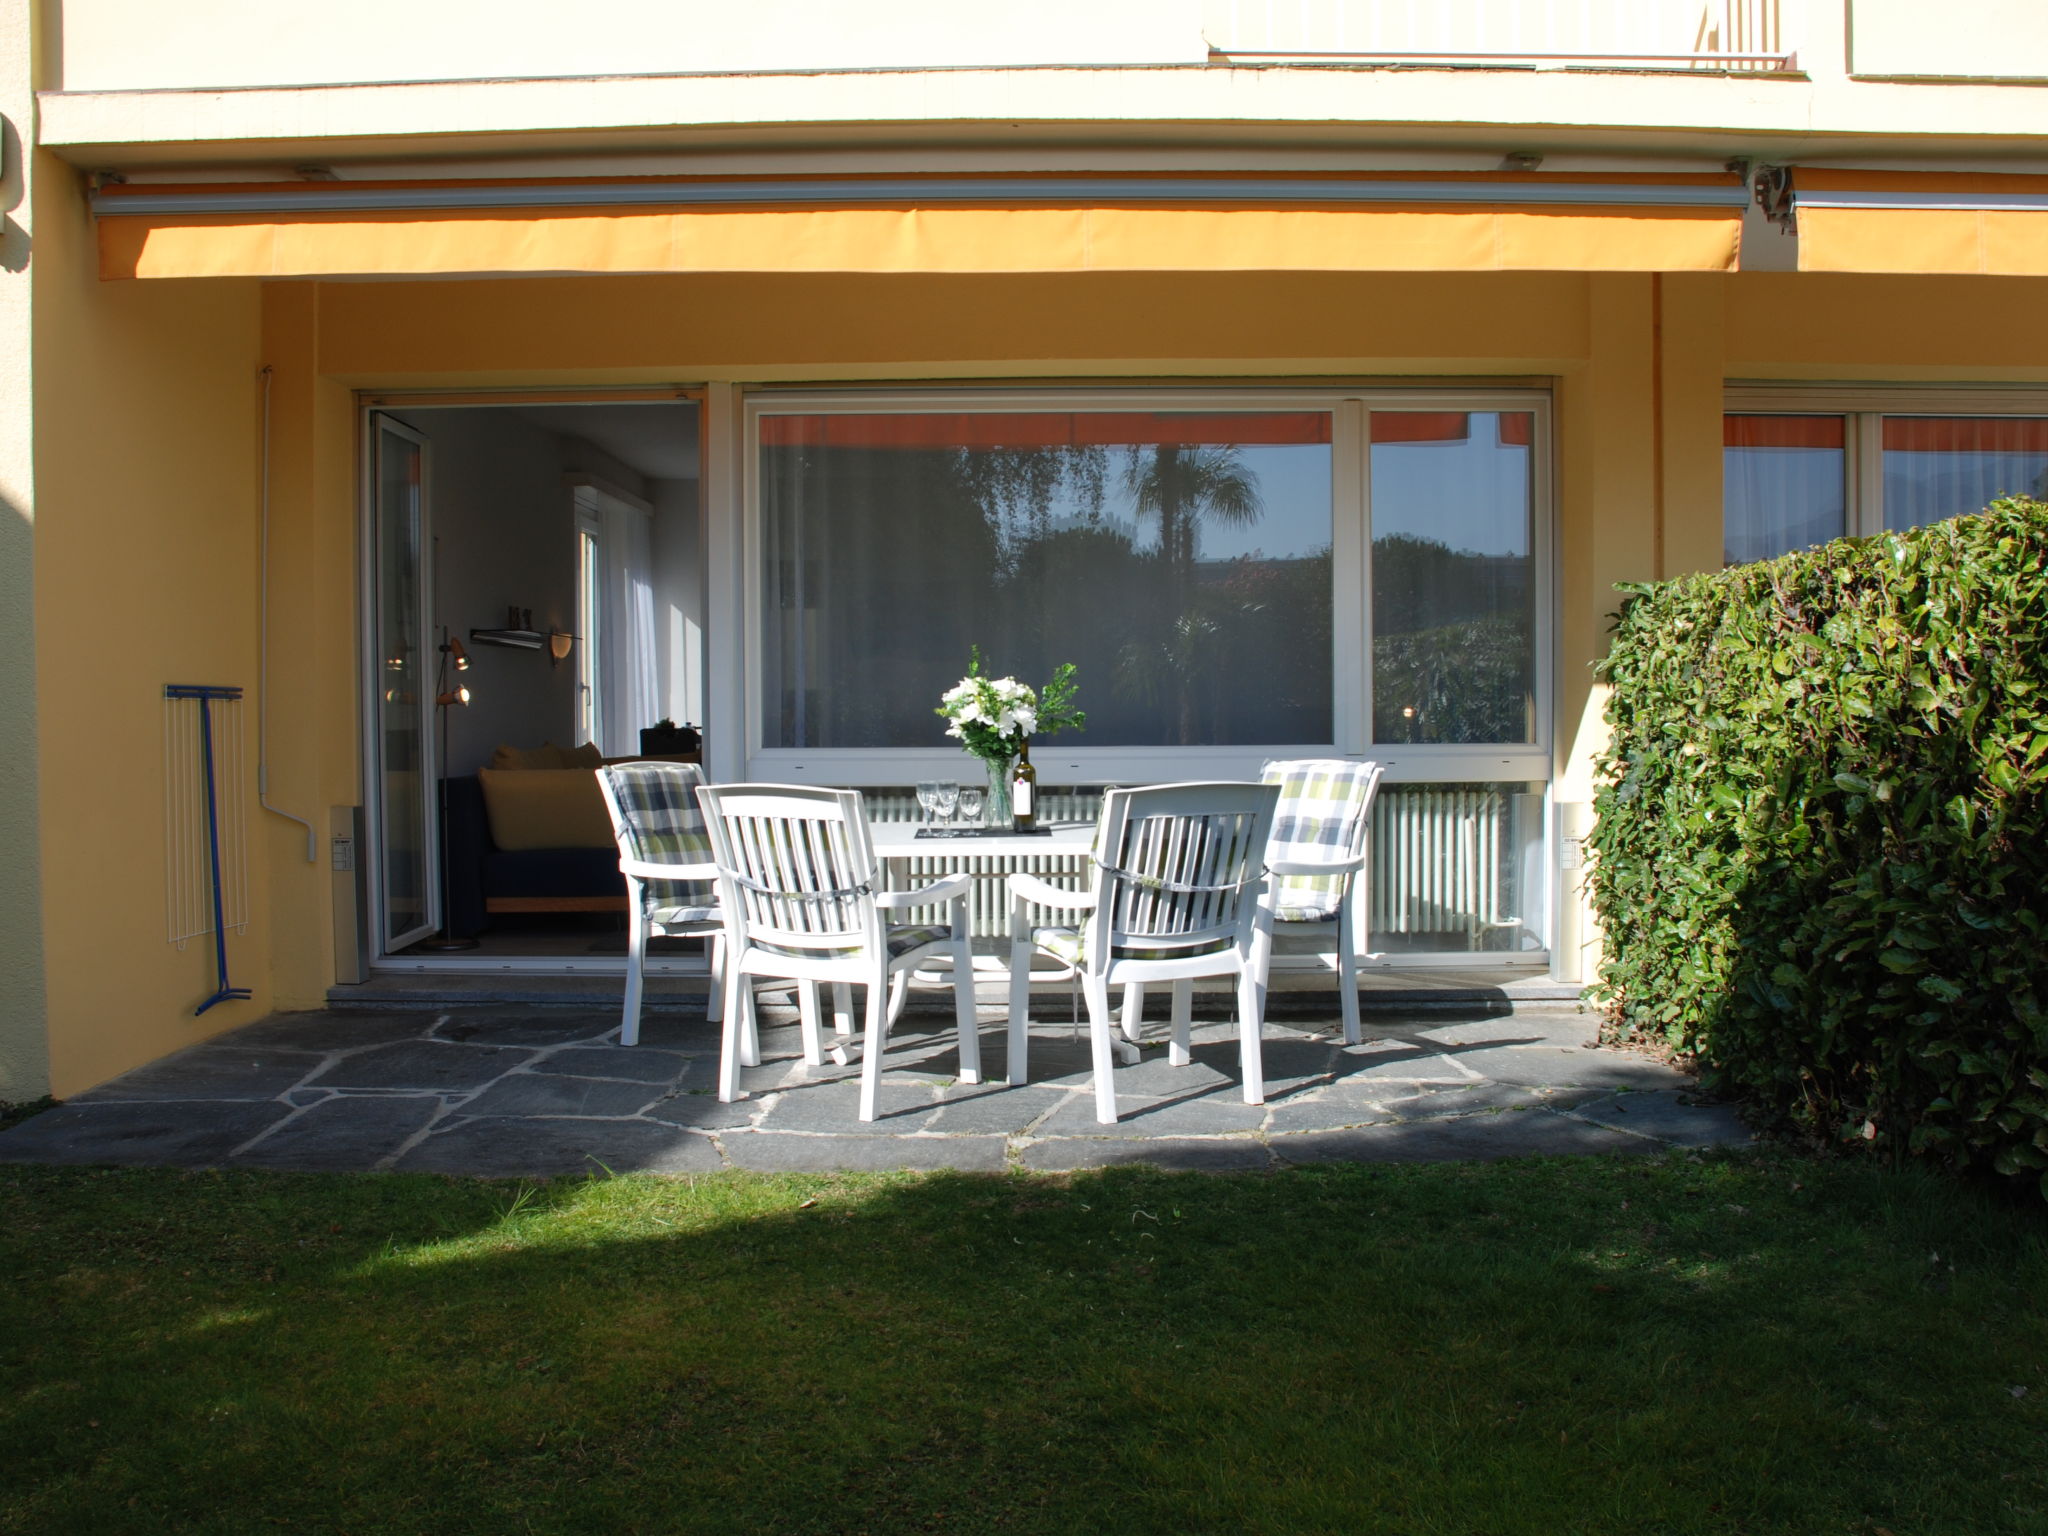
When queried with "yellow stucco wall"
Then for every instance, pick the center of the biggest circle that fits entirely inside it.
(144, 574)
(147, 537)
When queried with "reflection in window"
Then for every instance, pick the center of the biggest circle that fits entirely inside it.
(1782, 484)
(1453, 647)
(1180, 559)
(1945, 466)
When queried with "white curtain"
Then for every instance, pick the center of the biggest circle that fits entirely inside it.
(626, 660)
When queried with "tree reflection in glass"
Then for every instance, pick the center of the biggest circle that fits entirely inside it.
(1180, 559)
(1453, 646)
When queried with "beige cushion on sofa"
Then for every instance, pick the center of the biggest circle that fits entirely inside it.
(512, 759)
(545, 808)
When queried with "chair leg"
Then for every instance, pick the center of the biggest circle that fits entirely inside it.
(807, 1011)
(1096, 990)
(877, 1035)
(714, 1002)
(899, 996)
(1250, 1021)
(750, 1024)
(734, 1034)
(1133, 1020)
(1347, 977)
(963, 1002)
(842, 1007)
(1018, 1069)
(636, 975)
(1178, 1054)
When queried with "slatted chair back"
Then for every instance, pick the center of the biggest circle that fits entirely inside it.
(795, 866)
(1180, 869)
(1325, 812)
(656, 820)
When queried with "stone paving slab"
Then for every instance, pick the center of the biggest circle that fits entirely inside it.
(539, 1148)
(183, 1134)
(209, 1072)
(529, 1091)
(349, 1132)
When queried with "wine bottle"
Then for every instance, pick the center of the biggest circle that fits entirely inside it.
(1023, 791)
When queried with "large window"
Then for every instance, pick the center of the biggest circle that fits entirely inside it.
(1236, 577)
(1181, 560)
(1453, 577)
(1880, 459)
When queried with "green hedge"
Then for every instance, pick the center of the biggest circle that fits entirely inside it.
(1821, 862)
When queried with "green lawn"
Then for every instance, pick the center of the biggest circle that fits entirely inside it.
(1727, 1344)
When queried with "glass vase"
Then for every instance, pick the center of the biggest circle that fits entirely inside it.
(996, 810)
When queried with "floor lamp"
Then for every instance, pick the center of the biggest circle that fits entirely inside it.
(446, 699)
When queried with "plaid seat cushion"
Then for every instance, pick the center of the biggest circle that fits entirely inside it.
(678, 917)
(1069, 946)
(660, 823)
(1324, 803)
(902, 939)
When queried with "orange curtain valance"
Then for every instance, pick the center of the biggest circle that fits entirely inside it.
(1434, 222)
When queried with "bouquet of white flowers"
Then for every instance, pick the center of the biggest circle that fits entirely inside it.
(992, 716)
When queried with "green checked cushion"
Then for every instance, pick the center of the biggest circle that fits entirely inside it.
(660, 823)
(1321, 816)
(677, 917)
(1069, 946)
(903, 938)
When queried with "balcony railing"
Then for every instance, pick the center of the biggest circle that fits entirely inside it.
(1746, 35)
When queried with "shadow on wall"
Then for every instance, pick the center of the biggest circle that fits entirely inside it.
(14, 240)
(24, 1042)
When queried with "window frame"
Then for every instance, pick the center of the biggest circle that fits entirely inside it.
(1863, 409)
(1063, 760)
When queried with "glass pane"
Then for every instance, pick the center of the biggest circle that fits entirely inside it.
(1180, 560)
(404, 686)
(1458, 868)
(1782, 485)
(1945, 466)
(1453, 647)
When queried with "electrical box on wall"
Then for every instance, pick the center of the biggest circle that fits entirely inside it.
(351, 916)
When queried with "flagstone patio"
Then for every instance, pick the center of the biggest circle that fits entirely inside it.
(533, 1092)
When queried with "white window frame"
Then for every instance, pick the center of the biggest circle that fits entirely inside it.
(590, 579)
(1064, 760)
(1863, 409)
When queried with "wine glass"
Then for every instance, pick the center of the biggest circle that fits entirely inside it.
(927, 796)
(971, 796)
(945, 798)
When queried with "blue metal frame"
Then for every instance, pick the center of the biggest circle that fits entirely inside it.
(206, 693)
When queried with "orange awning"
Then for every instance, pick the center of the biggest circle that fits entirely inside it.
(1921, 221)
(1152, 223)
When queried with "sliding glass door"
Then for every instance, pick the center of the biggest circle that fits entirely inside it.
(402, 699)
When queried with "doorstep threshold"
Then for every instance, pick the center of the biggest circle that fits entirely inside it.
(1290, 995)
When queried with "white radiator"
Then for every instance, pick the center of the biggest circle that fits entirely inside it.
(989, 906)
(1440, 857)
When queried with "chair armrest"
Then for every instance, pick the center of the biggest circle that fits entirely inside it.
(640, 869)
(952, 888)
(1030, 888)
(1345, 866)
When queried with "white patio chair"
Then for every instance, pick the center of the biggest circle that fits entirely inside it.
(800, 887)
(1317, 861)
(1178, 892)
(1317, 858)
(666, 859)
